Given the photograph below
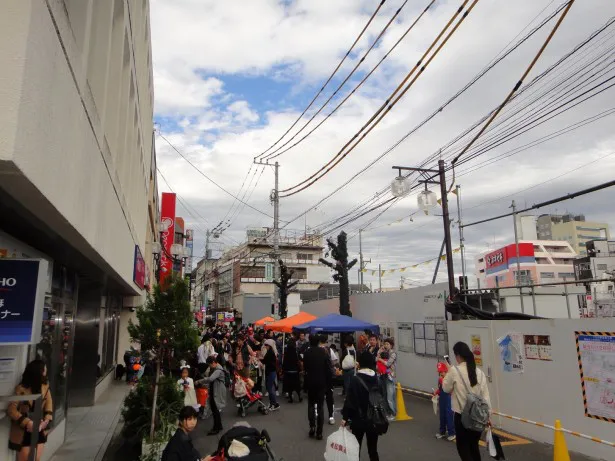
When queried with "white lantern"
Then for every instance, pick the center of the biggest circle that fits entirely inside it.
(156, 248)
(400, 187)
(427, 200)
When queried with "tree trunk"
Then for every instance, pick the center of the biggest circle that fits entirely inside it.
(152, 428)
(344, 295)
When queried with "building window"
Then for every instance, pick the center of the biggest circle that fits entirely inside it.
(305, 256)
(601, 267)
(482, 271)
(253, 272)
(547, 275)
(566, 275)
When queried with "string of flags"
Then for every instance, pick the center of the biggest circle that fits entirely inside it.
(404, 269)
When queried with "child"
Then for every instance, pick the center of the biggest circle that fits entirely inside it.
(381, 368)
(446, 411)
(186, 384)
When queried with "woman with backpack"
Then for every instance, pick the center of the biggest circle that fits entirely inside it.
(355, 411)
(466, 383)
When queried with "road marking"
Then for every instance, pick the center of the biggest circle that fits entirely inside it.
(510, 441)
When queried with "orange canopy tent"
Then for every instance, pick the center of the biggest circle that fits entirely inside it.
(286, 325)
(264, 321)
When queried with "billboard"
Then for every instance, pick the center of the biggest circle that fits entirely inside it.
(167, 236)
(503, 258)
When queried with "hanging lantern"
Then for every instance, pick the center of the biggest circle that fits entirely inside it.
(400, 187)
(427, 200)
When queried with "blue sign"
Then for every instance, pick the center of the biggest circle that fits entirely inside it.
(20, 282)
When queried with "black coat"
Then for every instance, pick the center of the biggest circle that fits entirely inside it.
(357, 398)
(291, 360)
(180, 448)
(270, 361)
(317, 367)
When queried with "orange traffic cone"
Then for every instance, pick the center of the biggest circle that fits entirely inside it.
(401, 407)
(560, 449)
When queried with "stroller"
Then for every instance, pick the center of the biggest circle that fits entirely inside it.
(245, 398)
(256, 441)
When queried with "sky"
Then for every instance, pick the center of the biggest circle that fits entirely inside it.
(230, 78)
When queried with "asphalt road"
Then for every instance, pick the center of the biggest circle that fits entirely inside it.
(408, 440)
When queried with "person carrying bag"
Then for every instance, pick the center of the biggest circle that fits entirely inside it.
(471, 403)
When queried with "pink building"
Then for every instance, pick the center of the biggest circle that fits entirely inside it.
(541, 261)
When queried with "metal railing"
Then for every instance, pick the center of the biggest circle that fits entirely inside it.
(36, 417)
(524, 420)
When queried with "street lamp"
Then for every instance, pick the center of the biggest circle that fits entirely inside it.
(427, 200)
(156, 249)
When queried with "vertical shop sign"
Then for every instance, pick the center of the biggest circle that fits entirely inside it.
(190, 246)
(22, 295)
(167, 237)
(139, 269)
(477, 350)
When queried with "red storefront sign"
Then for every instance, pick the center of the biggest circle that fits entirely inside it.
(167, 236)
(139, 270)
(503, 258)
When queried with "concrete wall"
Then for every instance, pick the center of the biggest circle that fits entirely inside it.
(76, 119)
(416, 305)
(546, 390)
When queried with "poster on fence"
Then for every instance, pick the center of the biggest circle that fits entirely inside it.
(477, 350)
(596, 353)
(511, 352)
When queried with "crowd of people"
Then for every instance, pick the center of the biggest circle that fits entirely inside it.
(264, 363)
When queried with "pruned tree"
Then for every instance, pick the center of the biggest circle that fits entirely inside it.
(285, 285)
(341, 266)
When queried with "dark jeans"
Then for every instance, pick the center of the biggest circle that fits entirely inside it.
(372, 442)
(347, 375)
(215, 413)
(316, 401)
(270, 382)
(292, 384)
(467, 441)
(329, 399)
(446, 414)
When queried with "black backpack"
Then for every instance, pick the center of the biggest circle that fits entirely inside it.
(376, 416)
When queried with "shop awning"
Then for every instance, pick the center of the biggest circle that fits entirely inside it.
(286, 325)
(264, 321)
(336, 323)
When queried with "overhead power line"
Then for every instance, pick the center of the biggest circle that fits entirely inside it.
(393, 99)
(276, 153)
(374, 14)
(547, 203)
(211, 180)
(520, 82)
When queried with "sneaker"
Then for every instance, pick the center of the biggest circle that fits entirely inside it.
(331, 420)
(319, 437)
(391, 418)
(440, 436)
(312, 432)
(274, 407)
(451, 438)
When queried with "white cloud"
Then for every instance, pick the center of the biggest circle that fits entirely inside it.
(302, 43)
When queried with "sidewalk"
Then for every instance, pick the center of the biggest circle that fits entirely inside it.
(89, 429)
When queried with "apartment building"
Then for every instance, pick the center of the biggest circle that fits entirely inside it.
(540, 261)
(77, 185)
(249, 268)
(572, 228)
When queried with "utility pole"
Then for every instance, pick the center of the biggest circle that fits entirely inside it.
(275, 200)
(361, 259)
(380, 277)
(461, 239)
(518, 278)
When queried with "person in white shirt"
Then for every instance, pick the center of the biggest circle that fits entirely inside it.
(476, 381)
(205, 350)
(186, 385)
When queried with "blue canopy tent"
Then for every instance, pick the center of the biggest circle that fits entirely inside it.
(336, 323)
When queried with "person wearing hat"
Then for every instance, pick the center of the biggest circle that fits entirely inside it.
(447, 424)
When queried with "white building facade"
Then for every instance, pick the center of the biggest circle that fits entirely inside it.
(77, 182)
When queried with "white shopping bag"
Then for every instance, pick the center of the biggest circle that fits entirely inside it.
(342, 445)
(493, 452)
(435, 400)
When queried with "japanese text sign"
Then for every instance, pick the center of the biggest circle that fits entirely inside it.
(22, 295)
